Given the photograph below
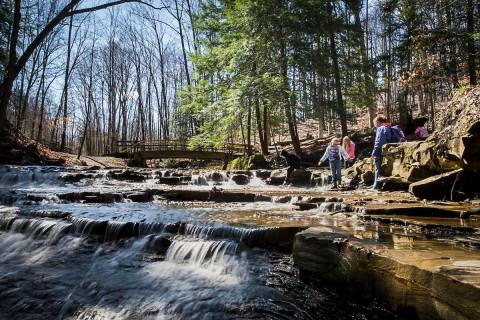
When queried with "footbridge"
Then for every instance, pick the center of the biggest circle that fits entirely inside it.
(138, 152)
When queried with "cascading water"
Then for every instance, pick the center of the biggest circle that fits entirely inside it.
(25, 177)
(124, 260)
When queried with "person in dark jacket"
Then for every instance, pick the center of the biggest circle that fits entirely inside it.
(293, 162)
(381, 138)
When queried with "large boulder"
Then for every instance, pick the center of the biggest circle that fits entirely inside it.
(411, 161)
(277, 177)
(127, 175)
(414, 280)
(263, 174)
(454, 185)
(248, 163)
(240, 179)
(394, 184)
(301, 177)
(457, 131)
(174, 180)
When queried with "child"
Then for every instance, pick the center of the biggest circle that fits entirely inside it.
(421, 133)
(349, 148)
(293, 162)
(335, 154)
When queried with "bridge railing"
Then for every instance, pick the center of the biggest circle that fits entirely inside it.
(132, 146)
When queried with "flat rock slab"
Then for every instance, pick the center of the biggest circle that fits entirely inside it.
(205, 195)
(427, 279)
(464, 225)
(420, 210)
(302, 205)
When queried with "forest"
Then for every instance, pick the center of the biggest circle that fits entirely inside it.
(80, 76)
(239, 159)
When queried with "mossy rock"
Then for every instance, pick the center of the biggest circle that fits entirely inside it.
(248, 163)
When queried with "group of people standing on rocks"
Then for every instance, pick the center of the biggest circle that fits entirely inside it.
(343, 155)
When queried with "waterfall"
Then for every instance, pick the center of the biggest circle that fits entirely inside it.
(32, 176)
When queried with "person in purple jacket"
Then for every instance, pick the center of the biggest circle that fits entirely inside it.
(381, 138)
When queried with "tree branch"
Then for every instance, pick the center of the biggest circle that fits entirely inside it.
(111, 4)
(64, 13)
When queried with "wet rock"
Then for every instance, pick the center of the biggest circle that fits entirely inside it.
(76, 177)
(94, 168)
(262, 198)
(159, 244)
(54, 214)
(90, 227)
(411, 161)
(301, 177)
(263, 174)
(115, 231)
(302, 205)
(367, 178)
(420, 280)
(203, 195)
(248, 163)
(127, 175)
(177, 174)
(283, 199)
(279, 239)
(245, 172)
(277, 177)
(316, 199)
(144, 196)
(241, 179)
(394, 184)
(35, 197)
(200, 180)
(438, 187)
(217, 176)
(91, 197)
(416, 210)
(167, 174)
(175, 180)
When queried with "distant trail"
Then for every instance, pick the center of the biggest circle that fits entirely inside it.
(100, 163)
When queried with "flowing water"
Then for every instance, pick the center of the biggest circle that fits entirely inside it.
(157, 259)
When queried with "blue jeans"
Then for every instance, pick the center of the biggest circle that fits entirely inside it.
(378, 167)
(336, 169)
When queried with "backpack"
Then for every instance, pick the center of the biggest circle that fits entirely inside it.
(396, 135)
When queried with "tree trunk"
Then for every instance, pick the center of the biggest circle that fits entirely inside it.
(286, 96)
(11, 70)
(65, 85)
(261, 136)
(471, 43)
(338, 85)
(368, 85)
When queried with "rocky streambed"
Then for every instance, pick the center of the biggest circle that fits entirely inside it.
(92, 243)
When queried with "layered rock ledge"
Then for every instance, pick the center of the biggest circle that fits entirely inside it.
(419, 278)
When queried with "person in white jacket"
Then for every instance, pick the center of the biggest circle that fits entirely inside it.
(335, 155)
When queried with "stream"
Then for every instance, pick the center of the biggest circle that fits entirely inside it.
(79, 244)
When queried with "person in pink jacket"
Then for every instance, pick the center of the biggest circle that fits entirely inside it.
(349, 147)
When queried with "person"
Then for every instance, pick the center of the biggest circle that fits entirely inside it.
(382, 137)
(335, 154)
(293, 162)
(349, 148)
(421, 133)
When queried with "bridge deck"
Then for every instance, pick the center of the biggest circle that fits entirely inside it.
(175, 149)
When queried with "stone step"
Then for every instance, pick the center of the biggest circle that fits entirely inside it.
(426, 279)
